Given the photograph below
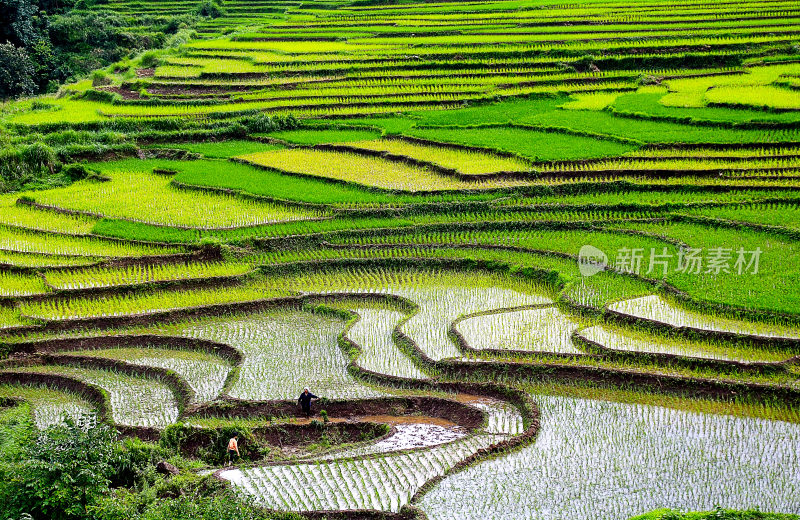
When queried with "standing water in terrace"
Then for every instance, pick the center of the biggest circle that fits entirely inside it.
(599, 459)
(441, 297)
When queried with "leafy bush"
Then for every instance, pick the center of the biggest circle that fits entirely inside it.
(210, 9)
(61, 472)
(16, 72)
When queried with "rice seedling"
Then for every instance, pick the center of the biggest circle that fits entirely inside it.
(783, 215)
(15, 215)
(531, 144)
(363, 170)
(758, 96)
(323, 136)
(655, 308)
(10, 318)
(145, 302)
(769, 287)
(147, 197)
(48, 406)
(616, 460)
(204, 373)
(441, 297)
(95, 277)
(134, 401)
(636, 341)
(222, 149)
(60, 245)
(385, 483)
(539, 330)
(373, 333)
(284, 351)
(466, 162)
(12, 284)
(34, 260)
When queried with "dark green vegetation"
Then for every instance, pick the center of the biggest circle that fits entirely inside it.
(82, 470)
(717, 514)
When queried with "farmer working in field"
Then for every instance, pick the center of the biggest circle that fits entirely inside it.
(233, 448)
(305, 401)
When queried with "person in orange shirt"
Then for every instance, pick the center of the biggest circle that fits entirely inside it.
(233, 448)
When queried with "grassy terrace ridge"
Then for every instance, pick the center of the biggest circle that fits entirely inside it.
(551, 242)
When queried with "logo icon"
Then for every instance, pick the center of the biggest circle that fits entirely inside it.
(591, 260)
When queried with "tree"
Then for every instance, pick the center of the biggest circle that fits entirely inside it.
(16, 72)
(66, 469)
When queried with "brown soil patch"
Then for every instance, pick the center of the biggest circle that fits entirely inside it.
(408, 419)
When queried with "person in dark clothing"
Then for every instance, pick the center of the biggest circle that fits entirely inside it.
(305, 401)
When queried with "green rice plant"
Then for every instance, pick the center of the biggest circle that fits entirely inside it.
(60, 245)
(394, 479)
(37, 260)
(568, 241)
(538, 330)
(535, 145)
(649, 198)
(655, 308)
(728, 153)
(221, 149)
(783, 215)
(628, 340)
(691, 92)
(701, 459)
(204, 373)
(283, 352)
(363, 170)
(13, 284)
(150, 198)
(145, 302)
(373, 333)
(648, 105)
(10, 318)
(441, 297)
(699, 165)
(467, 162)
(141, 274)
(650, 131)
(770, 288)
(135, 401)
(15, 215)
(323, 136)
(758, 96)
(592, 101)
(49, 406)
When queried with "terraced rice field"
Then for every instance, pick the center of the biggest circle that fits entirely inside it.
(572, 227)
